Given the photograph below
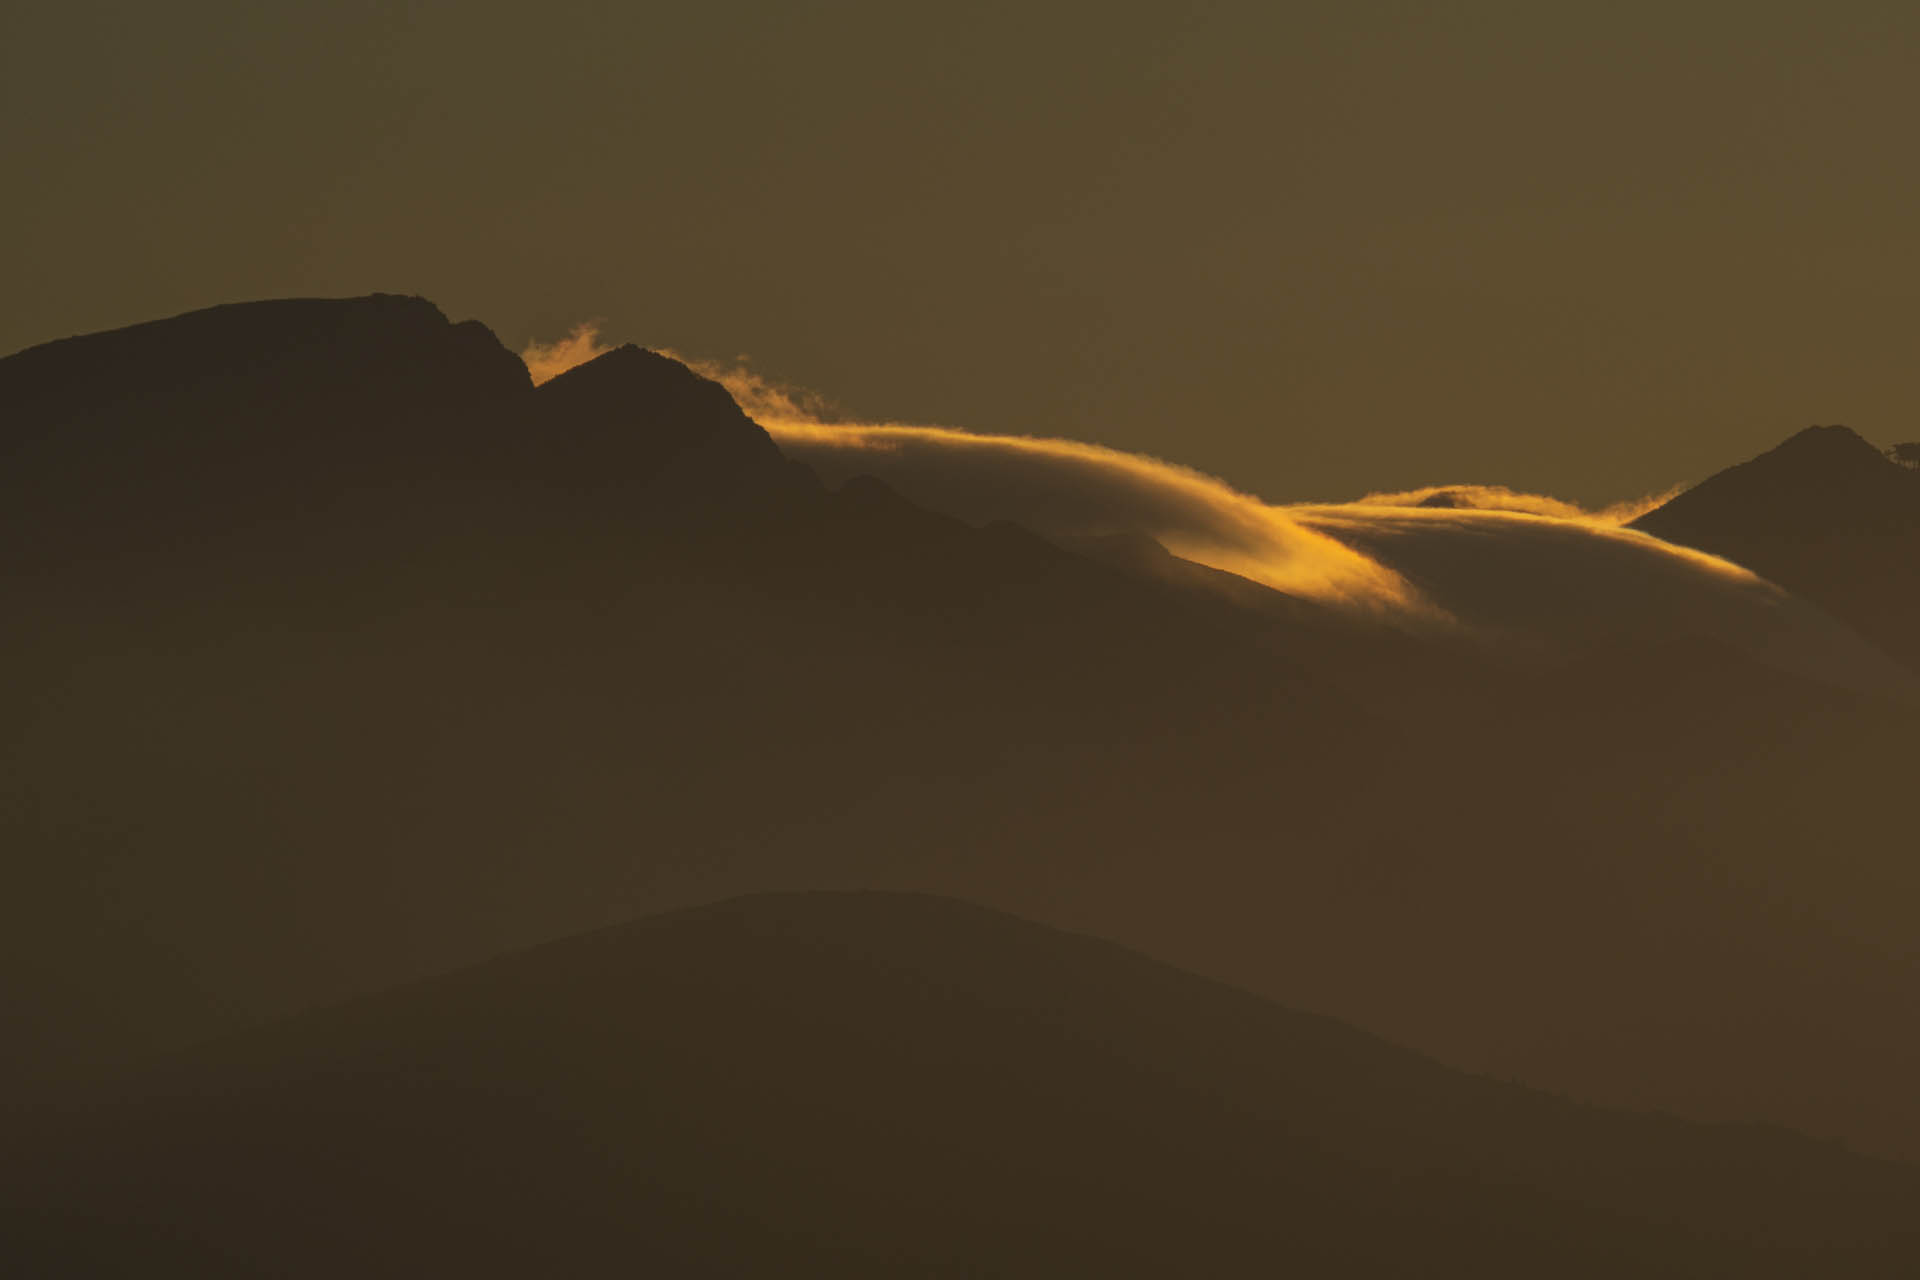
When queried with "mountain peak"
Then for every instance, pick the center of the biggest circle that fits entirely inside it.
(633, 412)
(1823, 514)
(630, 368)
(1818, 481)
(637, 385)
(1836, 445)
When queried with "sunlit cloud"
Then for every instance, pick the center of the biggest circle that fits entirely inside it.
(1497, 497)
(1372, 522)
(545, 360)
(761, 398)
(1552, 584)
(1071, 488)
(1476, 561)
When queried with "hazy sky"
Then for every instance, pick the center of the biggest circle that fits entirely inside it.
(1316, 248)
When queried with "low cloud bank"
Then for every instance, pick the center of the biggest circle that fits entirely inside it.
(1356, 555)
(1066, 488)
(1482, 559)
(1516, 569)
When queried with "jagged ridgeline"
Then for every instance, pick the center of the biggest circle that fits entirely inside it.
(339, 656)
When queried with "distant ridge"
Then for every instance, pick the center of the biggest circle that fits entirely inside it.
(1818, 481)
(324, 671)
(241, 429)
(887, 1084)
(1824, 514)
(269, 431)
(387, 342)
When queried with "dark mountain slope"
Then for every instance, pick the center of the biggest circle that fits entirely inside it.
(1825, 515)
(243, 424)
(613, 650)
(876, 1084)
(633, 413)
(566, 675)
(280, 355)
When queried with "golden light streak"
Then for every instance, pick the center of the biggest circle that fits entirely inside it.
(1071, 487)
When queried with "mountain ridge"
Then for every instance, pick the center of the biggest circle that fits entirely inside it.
(279, 733)
(1824, 514)
(907, 1084)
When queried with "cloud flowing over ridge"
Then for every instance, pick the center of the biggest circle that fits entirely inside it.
(1068, 488)
(1480, 560)
(1497, 497)
(1071, 488)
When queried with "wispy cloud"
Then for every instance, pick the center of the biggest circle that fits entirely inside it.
(545, 360)
(1497, 497)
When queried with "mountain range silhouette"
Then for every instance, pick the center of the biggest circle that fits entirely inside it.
(889, 1084)
(345, 657)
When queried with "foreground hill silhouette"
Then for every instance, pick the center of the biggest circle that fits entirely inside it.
(884, 1084)
(341, 655)
(1826, 515)
(608, 603)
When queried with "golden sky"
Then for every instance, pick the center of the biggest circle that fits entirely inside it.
(1321, 249)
